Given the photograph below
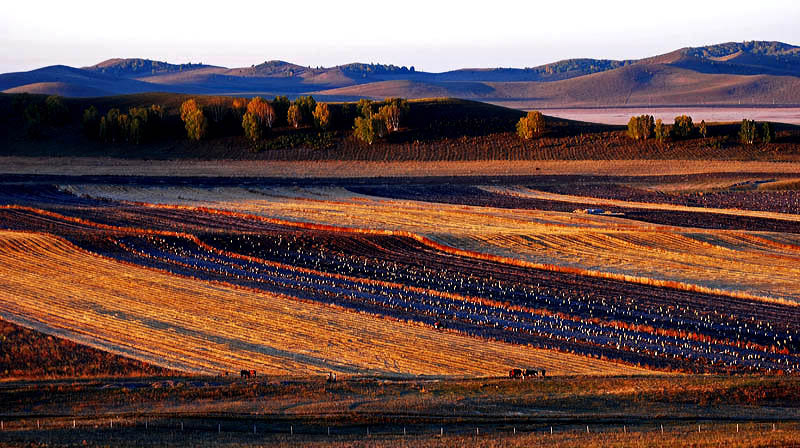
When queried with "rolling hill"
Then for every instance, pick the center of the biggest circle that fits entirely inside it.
(732, 73)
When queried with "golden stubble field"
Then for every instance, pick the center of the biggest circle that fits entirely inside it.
(204, 327)
(749, 264)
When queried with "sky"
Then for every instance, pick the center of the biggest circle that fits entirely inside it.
(427, 34)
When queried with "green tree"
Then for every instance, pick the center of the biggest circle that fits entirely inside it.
(306, 105)
(322, 116)
(767, 132)
(364, 107)
(145, 123)
(748, 132)
(281, 106)
(33, 120)
(703, 129)
(683, 127)
(137, 130)
(369, 129)
(363, 129)
(109, 126)
(124, 127)
(252, 128)
(56, 111)
(194, 120)
(91, 122)
(659, 130)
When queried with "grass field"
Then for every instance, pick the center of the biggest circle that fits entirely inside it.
(284, 411)
(105, 166)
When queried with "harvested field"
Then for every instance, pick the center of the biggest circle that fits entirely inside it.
(206, 327)
(604, 287)
(25, 353)
(609, 244)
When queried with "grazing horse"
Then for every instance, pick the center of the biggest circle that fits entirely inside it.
(515, 373)
(247, 373)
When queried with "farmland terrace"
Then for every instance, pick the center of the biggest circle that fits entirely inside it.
(354, 276)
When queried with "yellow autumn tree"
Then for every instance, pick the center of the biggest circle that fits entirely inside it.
(532, 125)
(194, 120)
(322, 116)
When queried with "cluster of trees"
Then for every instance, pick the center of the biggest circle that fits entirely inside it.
(38, 114)
(378, 119)
(257, 116)
(682, 127)
(139, 125)
(751, 132)
(643, 127)
(531, 125)
(254, 118)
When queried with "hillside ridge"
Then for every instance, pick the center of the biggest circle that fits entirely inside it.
(732, 73)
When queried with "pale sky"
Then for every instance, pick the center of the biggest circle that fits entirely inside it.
(430, 35)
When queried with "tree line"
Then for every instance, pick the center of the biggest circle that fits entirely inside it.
(372, 120)
(644, 127)
(39, 114)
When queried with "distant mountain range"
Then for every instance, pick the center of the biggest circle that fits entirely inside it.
(726, 74)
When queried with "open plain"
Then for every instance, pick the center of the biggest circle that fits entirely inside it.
(421, 293)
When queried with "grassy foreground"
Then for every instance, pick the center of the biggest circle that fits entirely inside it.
(281, 411)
